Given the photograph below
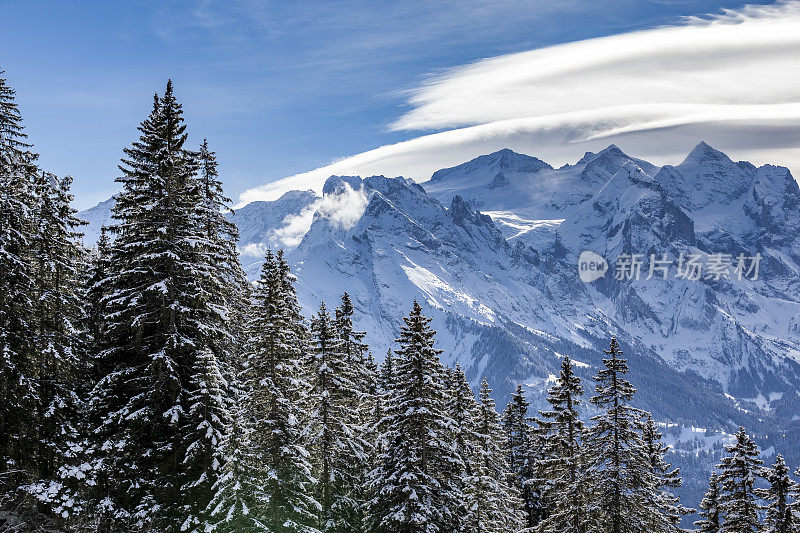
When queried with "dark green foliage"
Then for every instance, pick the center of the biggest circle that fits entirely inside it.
(413, 488)
(711, 508)
(565, 461)
(738, 473)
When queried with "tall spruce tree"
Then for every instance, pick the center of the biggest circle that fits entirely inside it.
(220, 300)
(412, 488)
(711, 508)
(463, 410)
(59, 342)
(274, 391)
(334, 437)
(619, 474)
(377, 425)
(778, 497)
(94, 292)
(18, 394)
(220, 237)
(521, 444)
(564, 463)
(665, 505)
(160, 318)
(493, 502)
(738, 473)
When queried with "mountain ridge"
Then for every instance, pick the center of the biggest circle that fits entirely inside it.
(495, 261)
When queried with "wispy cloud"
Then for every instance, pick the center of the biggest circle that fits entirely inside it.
(738, 57)
(731, 79)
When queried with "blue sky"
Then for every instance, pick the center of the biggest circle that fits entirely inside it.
(278, 88)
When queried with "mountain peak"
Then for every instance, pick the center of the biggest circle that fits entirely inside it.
(610, 150)
(704, 152)
(336, 184)
(505, 159)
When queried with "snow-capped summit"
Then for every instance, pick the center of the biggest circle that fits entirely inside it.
(504, 160)
(706, 177)
(599, 167)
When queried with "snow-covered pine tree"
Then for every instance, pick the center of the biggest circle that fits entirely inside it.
(463, 410)
(619, 473)
(664, 478)
(93, 295)
(493, 502)
(17, 362)
(564, 456)
(274, 389)
(334, 435)
(222, 287)
(778, 496)
(710, 508)
(209, 412)
(235, 505)
(353, 345)
(62, 362)
(219, 245)
(377, 430)
(521, 444)
(738, 472)
(386, 377)
(411, 489)
(159, 317)
(362, 371)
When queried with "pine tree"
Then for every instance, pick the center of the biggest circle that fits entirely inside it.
(353, 345)
(161, 314)
(94, 293)
(619, 474)
(737, 476)
(377, 429)
(564, 464)
(412, 489)
(208, 413)
(463, 410)
(711, 508)
(334, 436)
(779, 517)
(273, 390)
(220, 237)
(494, 504)
(363, 372)
(664, 503)
(234, 507)
(221, 284)
(521, 445)
(17, 361)
(59, 344)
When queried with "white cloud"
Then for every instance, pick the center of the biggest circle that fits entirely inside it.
(744, 57)
(295, 226)
(343, 209)
(730, 79)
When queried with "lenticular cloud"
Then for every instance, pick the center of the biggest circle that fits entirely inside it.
(746, 57)
(731, 79)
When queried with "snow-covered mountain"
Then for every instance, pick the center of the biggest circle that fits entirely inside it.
(491, 249)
